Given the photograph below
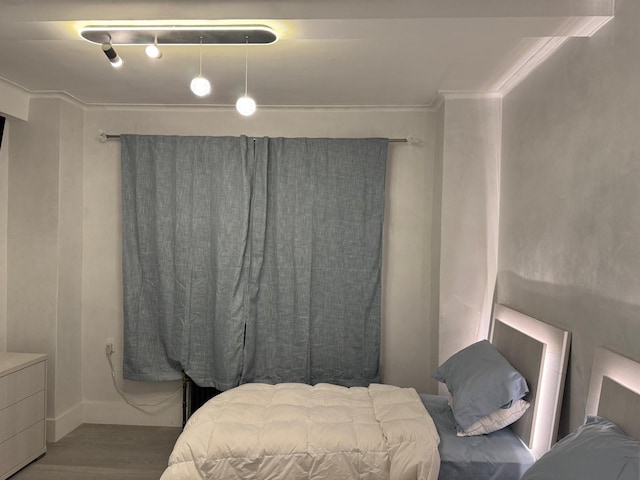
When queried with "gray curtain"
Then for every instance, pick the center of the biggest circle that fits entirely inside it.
(316, 311)
(185, 220)
(252, 260)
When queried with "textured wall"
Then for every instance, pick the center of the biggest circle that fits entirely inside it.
(570, 202)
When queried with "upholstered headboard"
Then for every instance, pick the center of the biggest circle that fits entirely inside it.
(614, 390)
(539, 352)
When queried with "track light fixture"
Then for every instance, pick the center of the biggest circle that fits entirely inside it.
(183, 33)
(178, 35)
(246, 105)
(111, 54)
(200, 86)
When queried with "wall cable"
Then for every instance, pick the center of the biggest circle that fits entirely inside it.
(138, 406)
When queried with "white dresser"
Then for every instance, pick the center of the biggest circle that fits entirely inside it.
(23, 399)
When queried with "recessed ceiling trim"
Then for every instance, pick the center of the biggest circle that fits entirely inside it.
(180, 35)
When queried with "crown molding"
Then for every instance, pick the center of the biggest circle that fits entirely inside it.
(583, 26)
(540, 49)
(527, 62)
(468, 95)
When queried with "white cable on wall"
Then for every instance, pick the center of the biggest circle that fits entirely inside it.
(138, 406)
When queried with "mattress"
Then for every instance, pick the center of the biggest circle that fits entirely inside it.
(500, 455)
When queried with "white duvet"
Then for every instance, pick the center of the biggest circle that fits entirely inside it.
(296, 431)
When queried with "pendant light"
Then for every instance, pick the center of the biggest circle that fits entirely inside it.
(152, 50)
(200, 85)
(246, 105)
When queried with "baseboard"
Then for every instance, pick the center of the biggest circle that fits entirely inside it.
(119, 413)
(70, 420)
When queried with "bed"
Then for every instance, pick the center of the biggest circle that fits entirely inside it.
(380, 432)
(539, 352)
(298, 431)
(607, 445)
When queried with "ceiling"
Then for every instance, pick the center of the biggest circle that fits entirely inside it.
(329, 52)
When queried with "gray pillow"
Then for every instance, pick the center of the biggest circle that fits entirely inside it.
(480, 381)
(598, 450)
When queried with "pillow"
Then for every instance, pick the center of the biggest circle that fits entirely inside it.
(480, 381)
(597, 450)
(497, 420)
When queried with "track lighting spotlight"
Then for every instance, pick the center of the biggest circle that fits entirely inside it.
(111, 54)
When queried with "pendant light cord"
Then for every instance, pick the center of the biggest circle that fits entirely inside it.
(246, 66)
(200, 74)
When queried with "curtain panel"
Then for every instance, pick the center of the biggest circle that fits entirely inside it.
(252, 260)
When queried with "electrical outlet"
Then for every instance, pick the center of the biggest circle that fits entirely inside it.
(109, 347)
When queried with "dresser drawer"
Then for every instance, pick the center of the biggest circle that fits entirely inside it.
(21, 415)
(21, 384)
(21, 449)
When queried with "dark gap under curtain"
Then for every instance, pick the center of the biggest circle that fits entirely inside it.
(2, 120)
(252, 260)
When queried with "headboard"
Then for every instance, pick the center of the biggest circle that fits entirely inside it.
(614, 390)
(539, 352)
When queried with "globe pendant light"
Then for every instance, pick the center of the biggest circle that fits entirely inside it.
(200, 85)
(152, 50)
(246, 105)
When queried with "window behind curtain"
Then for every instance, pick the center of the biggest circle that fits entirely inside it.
(2, 120)
(316, 312)
(252, 260)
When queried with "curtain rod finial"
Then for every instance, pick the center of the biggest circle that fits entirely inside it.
(413, 140)
(102, 136)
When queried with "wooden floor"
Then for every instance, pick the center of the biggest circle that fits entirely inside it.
(101, 452)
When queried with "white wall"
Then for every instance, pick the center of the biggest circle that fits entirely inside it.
(69, 322)
(14, 101)
(32, 236)
(44, 235)
(14, 105)
(436, 241)
(471, 129)
(570, 202)
(406, 345)
(4, 197)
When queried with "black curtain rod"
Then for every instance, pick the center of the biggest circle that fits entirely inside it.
(106, 136)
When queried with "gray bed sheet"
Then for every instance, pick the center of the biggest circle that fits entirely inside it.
(499, 455)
